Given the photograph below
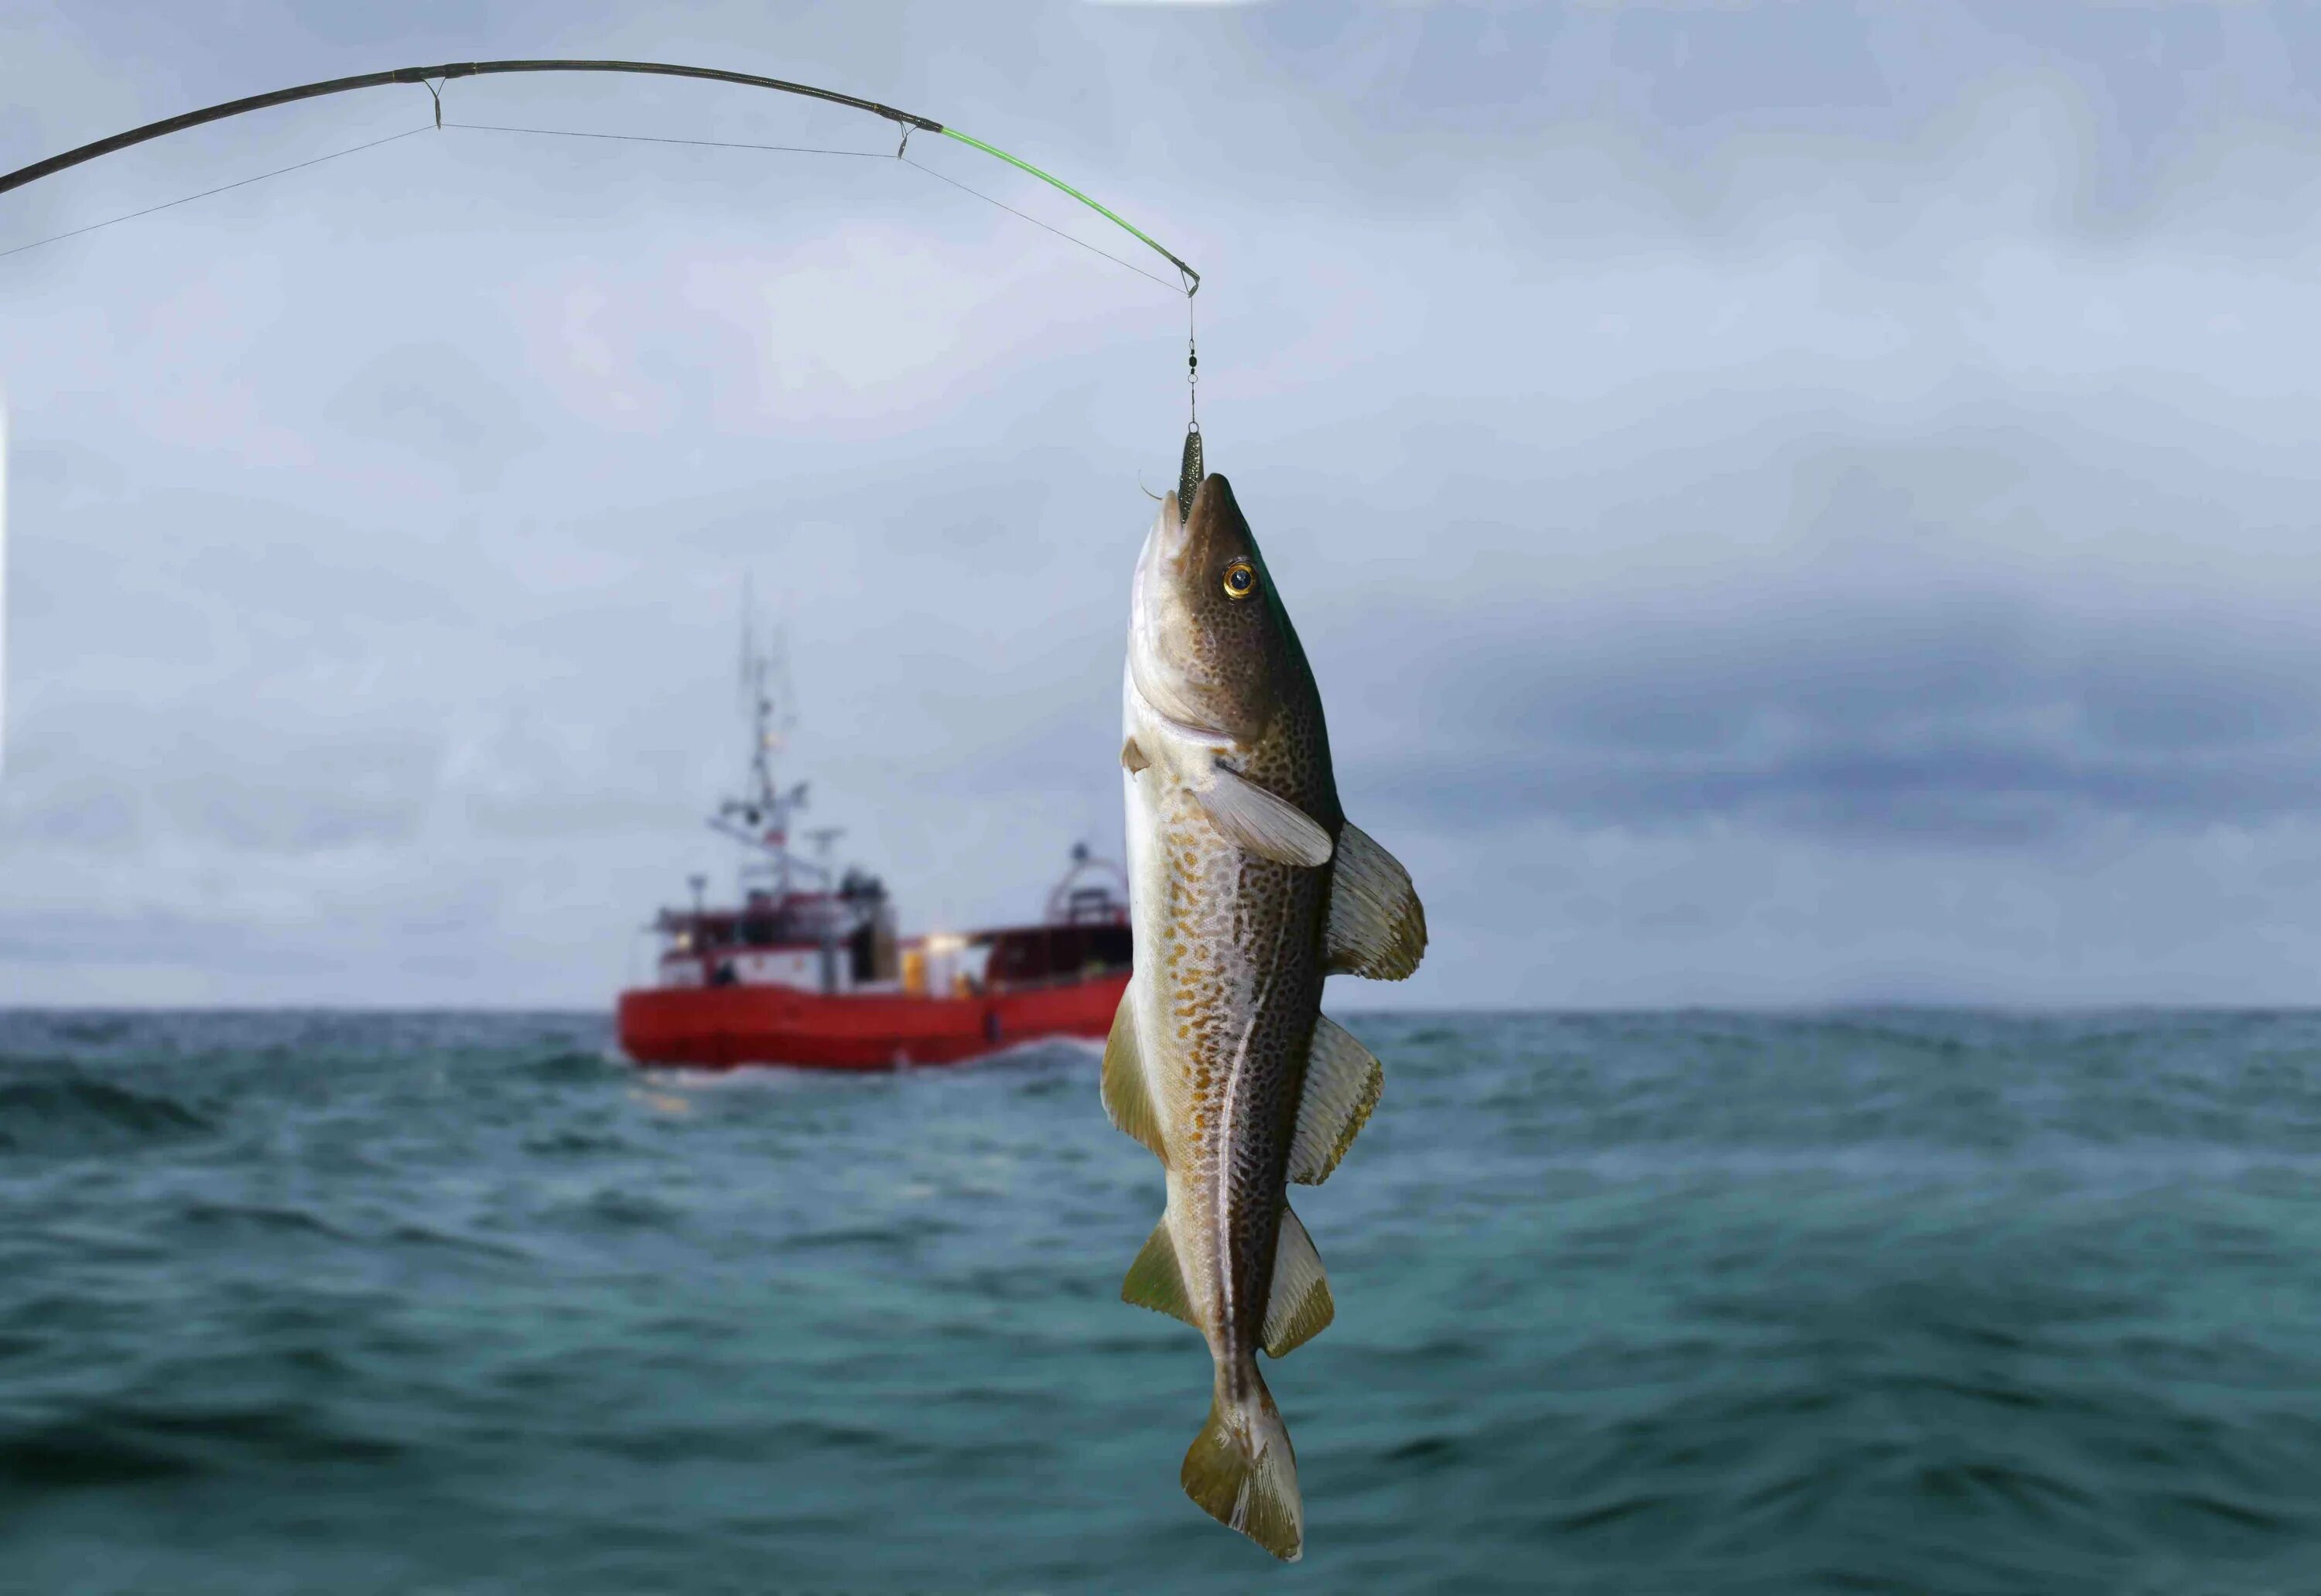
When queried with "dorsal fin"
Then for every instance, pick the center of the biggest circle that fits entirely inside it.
(1377, 927)
(1342, 1082)
(1299, 1307)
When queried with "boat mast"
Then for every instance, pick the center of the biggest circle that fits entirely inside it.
(760, 819)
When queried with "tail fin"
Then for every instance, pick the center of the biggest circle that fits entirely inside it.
(1242, 1469)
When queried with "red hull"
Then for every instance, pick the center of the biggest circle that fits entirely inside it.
(718, 1028)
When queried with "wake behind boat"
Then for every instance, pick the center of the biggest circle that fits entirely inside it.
(806, 968)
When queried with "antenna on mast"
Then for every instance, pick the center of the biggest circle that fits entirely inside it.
(760, 819)
(741, 684)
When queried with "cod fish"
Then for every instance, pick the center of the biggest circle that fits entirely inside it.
(1247, 885)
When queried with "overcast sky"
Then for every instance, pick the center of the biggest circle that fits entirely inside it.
(1785, 505)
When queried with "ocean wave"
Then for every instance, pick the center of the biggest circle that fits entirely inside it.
(1630, 1304)
(69, 1112)
(259, 1219)
(574, 1144)
(573, 1064)
(68, 1455)
(120, 1443)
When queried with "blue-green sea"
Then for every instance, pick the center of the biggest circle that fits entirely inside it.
(1685, 1303)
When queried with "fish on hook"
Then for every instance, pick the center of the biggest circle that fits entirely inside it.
(1248, 886)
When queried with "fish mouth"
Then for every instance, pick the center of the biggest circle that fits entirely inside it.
(1165, 549)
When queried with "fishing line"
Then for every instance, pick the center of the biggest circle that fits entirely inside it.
(1192, 365)
(1189, 287)
(221, 188)
(427, 76)
(562, 132)
(435, 80)
(1035, 221)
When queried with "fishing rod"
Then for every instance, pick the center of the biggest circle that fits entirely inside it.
(435, 79)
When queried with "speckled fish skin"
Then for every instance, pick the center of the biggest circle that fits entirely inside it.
(1233, 823)
(1233, 941)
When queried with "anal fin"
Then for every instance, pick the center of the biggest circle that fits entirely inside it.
(1299, 1307)
(1343, 1080)
(1127, 1102)
(1156, 1280)
(1377, 927)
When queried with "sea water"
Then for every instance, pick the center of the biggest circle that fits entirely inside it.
(1689, 1303)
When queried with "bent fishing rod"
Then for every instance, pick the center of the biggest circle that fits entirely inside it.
(435, 79)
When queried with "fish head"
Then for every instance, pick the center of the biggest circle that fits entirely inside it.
(1210, 645)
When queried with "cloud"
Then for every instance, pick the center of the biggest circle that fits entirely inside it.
(1826, 522)
(1870, 672)
(440, 407)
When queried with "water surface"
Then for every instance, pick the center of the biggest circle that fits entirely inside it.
(1688, 1303)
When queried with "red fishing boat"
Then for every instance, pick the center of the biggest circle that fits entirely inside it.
(807, 969)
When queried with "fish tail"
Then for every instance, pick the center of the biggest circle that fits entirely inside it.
(1241, 1468)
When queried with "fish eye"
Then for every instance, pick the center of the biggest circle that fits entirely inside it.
(1241, 579)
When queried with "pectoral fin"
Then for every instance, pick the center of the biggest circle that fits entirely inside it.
(1267, 826)
(1342, 1082)
(1377, 927)
(1299, 1307)
(1132, 757)
(1126, 1101)
(1156, 1280)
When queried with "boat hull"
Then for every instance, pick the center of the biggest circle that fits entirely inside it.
(720, 1027)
